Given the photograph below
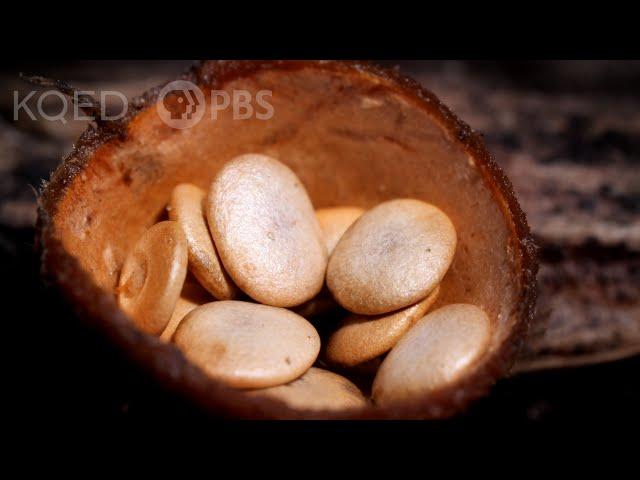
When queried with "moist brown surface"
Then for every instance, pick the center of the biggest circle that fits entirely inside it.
(354, 135)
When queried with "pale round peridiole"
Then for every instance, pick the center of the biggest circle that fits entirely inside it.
(247, 345)
(360, 338)
(438, 350)
(186, 207)
(317, 389)
(266, 231)
(391, 257)
(152, 277)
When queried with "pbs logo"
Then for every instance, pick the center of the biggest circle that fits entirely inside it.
(181, 104)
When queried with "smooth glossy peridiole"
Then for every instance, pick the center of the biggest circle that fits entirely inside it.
(186, 207)
(266, 231)
(361, 338)
(391, 257)
(317, 389)
(153, 275)
(247, 345)
(435, 353)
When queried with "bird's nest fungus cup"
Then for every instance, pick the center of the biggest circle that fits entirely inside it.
(355, 134)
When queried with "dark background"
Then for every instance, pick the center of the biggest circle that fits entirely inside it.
(568, 135)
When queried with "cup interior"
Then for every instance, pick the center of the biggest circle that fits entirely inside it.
(354, 138)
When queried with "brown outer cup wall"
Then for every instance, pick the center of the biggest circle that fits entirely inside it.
(168, 365)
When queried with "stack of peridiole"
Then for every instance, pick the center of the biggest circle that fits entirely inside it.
(261, 260)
